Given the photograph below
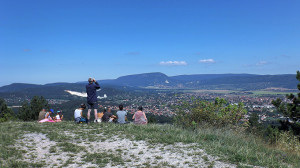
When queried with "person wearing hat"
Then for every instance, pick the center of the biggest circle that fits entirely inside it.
(48, 114)
(59, 116)
(48, 117)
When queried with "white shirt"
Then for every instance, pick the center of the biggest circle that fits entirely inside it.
(77, 113)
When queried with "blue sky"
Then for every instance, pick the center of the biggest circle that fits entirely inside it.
(44, 41)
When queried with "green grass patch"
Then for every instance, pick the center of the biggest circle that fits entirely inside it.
(228, 144)
(70, 147)
(102, 159)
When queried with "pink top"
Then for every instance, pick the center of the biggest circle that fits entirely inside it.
(139, 118)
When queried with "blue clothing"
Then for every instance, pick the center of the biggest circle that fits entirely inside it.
(91, 92)
(121, 116)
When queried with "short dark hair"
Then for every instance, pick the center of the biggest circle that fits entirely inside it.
(82, 106)
(140, 108)
(121, 107)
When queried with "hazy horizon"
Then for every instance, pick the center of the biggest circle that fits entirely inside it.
(128, 75)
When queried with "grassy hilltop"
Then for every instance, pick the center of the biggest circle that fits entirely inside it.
(65, 144)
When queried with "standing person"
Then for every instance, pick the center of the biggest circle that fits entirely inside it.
(139, 117)
(122, 115)
(91, 89)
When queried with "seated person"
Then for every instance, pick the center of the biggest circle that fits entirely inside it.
(42, 114)
(107, 116)
(99, 115)
(48, 117)
(122, 115)
(139, 117)
(78, 114)
(59, 116)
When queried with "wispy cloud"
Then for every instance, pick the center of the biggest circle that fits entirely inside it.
(26, 50)
(133, 53)
(173, 63)
(261, 63)
(207, 61)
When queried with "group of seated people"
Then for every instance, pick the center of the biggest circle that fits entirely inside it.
(45, 116)
(139, 117)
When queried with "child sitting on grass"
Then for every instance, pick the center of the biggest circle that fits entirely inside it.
(78, 114)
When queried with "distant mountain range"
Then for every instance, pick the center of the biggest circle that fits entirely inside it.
(207, 81)
(161, 81)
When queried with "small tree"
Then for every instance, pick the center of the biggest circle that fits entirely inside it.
(25, 113)
(291, 109)
(29, 112)
(5, 112)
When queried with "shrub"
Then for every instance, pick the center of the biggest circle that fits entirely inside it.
(5, 112)
(289, 142)
(217, 113)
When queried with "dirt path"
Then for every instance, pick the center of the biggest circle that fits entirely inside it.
(113, 152)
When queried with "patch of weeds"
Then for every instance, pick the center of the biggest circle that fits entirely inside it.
(55, 136)
(147, 164)
(53, 149)
(141, 152)
(119, 150)
(211, 165)
(158, 157)
(165, 164)
(243, 166)
(71, 155)
(69, 161)
(128, 160)
(187, 162)
(69, 147)
(21, 164)
(205, 158)
(102, 159)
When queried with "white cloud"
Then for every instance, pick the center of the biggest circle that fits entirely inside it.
(261, 63)
(173, 63)
(207, 61)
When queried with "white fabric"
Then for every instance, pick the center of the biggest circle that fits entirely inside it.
(77, 113)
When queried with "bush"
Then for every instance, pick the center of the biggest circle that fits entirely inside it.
(217, 113)
(289, 142)
(5, 112)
